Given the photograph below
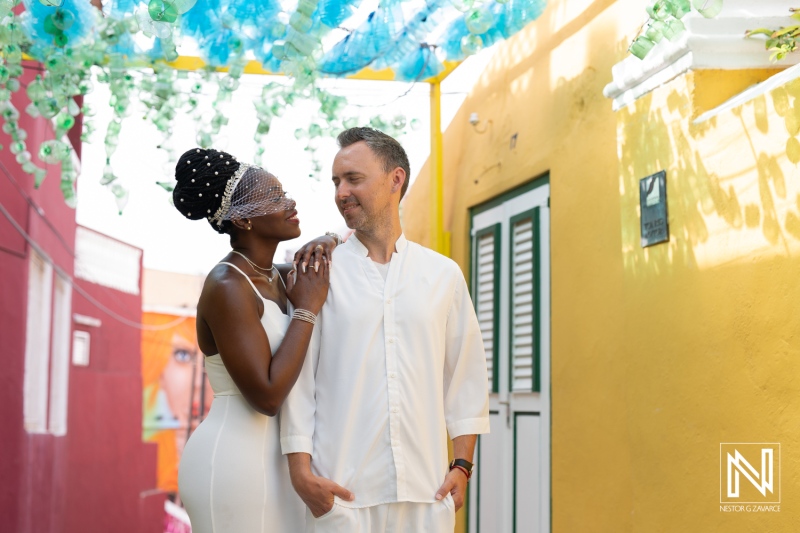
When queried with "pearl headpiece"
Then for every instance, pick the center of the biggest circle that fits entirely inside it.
(251, 192)
(219, 216)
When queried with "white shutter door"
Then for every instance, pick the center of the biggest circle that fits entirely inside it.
(37, 344)
(523, 335)
(485, 291)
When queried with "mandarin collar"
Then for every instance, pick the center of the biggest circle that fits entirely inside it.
(360, 249)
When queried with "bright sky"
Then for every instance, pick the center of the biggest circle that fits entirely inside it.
(173, 243)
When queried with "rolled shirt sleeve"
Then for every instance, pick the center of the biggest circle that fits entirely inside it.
(466, 382)
(297, 416)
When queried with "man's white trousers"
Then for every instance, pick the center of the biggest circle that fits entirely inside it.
(401, 517)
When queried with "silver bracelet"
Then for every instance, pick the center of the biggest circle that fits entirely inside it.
(305, 316)
(335, 236)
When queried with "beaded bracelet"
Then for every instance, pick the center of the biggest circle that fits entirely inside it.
(305, 316)
(466, 473)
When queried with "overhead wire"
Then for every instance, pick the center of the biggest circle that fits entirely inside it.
(80, 290)
(37, 209)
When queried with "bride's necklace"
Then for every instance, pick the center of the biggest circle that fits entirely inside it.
(258, 270)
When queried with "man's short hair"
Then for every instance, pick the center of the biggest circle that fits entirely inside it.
(390, 152)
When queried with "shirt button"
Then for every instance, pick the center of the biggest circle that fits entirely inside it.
(392, 374)
(395, 409)
(389, 301)
(391, 341)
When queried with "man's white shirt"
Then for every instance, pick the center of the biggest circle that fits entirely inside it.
(394, 366)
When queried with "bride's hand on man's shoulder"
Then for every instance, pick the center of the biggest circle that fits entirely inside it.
(310, 289)
(314, 253)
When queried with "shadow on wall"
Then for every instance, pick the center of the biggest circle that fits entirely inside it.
(733, 191)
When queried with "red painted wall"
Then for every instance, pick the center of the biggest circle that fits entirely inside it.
(96, 477)
(27, 462)
(106, 456)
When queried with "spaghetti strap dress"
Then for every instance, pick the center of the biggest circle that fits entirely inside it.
(232, 477)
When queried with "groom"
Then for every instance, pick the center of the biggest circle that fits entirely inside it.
(396, 364)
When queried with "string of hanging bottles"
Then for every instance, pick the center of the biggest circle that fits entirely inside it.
(129, 46)
(664, 22)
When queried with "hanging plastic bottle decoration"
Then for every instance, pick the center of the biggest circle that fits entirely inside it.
(333, 12)
(655, 30)
(665, 22)
(13, 53)
(69, 37)
(57, 23)
(463, 5)
(300, 22)
(471, 44)
(162, 11)
(420, 66)
(68, 177)
(679, 8)
(121, 196)
(182, 6)
(479, 21)
(659, 10)
(708, 8)
(47, 26)
(53, 151)
(61, 19)
(108, 175)
(641, 46)
(674, 29)
(6, 6)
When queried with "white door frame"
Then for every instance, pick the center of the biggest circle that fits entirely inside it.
(507, 407)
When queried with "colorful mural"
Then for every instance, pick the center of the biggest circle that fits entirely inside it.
(177, 394)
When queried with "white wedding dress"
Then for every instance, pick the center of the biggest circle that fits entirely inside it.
(232, 476)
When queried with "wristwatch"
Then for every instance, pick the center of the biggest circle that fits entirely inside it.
(463, 465)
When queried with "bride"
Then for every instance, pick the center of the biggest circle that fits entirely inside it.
(232, 477)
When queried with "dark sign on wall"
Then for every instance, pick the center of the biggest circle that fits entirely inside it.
(653, 201)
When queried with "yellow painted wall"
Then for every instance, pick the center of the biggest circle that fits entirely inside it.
(658, 354)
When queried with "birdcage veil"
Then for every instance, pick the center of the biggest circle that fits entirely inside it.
(251, 192)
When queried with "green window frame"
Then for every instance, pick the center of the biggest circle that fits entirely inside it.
(536, 303)
(496, 230)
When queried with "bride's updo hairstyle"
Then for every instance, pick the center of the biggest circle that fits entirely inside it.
(202, 177)
(214, 186)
